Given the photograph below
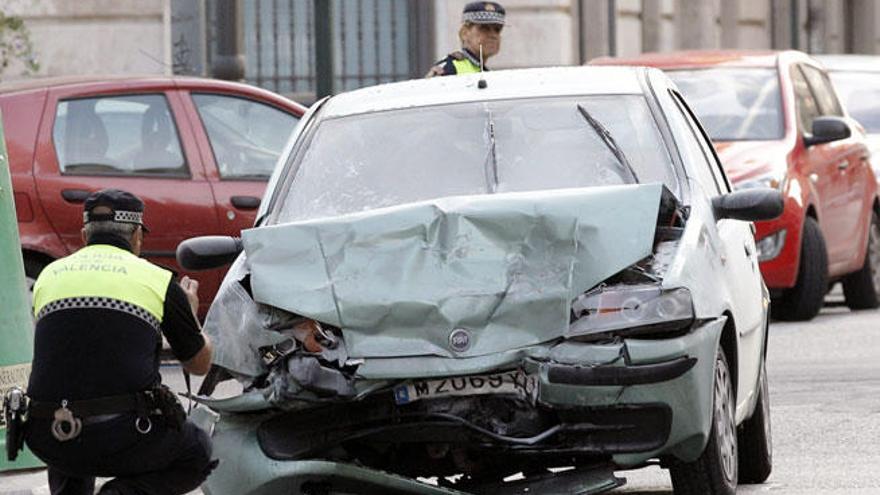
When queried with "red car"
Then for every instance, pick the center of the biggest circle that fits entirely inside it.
(777, 122)
(197, 151)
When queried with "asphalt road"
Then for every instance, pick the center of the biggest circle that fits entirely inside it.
(825, 409)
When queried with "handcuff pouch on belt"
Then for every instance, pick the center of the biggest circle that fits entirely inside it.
(14, 414)
(171, 409)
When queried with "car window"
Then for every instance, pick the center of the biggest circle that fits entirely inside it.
(823, 91)
(246, 136)
(805, 102)
(362, 162)
(860, 92)
(734, 103)
(117, 135)
(705, 144)
(693, 156)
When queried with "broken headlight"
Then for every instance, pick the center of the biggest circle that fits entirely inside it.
(632, 309)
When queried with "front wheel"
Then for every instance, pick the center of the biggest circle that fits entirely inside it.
(804, 300)
(715, 471)
(755, 438)
(862, 288)
(32, 270)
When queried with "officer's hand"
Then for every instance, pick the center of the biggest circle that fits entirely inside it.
(191, 289)
(437, 70)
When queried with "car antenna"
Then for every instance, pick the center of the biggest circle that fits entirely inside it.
(482, 82)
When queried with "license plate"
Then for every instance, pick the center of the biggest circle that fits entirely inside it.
(508, 382)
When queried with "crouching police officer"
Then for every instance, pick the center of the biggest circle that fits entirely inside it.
(481, 24)
(97, 407)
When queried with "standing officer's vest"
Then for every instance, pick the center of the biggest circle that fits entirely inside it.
(103, 276)
(465, 66)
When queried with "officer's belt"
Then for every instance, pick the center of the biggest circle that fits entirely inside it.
(141, 402)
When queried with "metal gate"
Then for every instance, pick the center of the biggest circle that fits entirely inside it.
(375, 41)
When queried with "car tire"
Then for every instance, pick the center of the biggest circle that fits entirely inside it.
(804, 300)
(32, 270)
(755, 439)
(715, 471)
(862, 288)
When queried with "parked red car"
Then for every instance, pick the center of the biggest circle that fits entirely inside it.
(777, 122)
(197, 151)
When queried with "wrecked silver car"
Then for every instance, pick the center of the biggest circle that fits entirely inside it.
(521, 284)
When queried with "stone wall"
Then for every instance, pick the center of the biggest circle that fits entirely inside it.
(95, 36)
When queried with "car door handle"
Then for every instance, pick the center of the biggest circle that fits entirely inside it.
(245, 202)
(842, 165)
(75, 195)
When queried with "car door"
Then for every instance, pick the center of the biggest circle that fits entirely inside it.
(240, 140)
(739, 258)
(853, 177)
(127, 139)
(822, 164)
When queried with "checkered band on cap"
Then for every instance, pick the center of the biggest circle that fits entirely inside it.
(128, 217)
(483, 17)
(121, 216)
(100, 303)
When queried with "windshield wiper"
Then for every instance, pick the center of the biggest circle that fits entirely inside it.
(492, 174)
(609, 141)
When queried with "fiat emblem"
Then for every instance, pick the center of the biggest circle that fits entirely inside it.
(459, 340)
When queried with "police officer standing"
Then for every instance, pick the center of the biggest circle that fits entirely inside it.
(481, 24)
(97, 407)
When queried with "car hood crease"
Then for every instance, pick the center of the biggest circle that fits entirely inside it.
(503, 267)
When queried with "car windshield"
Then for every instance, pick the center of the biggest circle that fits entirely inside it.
(369, 161)
(860, 94)
(734, 104)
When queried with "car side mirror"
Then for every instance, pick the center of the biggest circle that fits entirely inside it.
(206, 252)
(752, 205)
(826, 130)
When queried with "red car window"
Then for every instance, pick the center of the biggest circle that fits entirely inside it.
(246, 136)
(825, 96)
(117, 135)
(807, 107)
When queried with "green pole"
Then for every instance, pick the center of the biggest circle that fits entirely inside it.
(16, 325)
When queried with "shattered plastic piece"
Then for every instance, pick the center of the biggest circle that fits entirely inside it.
(504, 267)
(307, 373)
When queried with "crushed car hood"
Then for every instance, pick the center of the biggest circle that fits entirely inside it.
(500, 269)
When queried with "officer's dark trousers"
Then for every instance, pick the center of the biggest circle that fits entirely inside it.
(163, 461)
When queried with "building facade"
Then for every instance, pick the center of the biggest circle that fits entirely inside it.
(376, 41)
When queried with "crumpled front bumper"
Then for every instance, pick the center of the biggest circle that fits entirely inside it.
(674, 374)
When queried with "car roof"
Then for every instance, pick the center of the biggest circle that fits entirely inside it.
(700, 59)
(112, 80)
(500, 85)
(850, 63)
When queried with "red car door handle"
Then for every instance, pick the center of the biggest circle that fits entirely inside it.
(75, 195)
(245, 202)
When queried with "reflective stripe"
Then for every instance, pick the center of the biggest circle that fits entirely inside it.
(99, 303)
(465, 66)
(103, 271)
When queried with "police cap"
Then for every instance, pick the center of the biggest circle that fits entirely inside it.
(483, 13)
(124, 207)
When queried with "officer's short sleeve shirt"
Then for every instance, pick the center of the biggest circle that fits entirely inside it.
(179, 325)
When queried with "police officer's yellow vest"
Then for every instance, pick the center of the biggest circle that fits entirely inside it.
(465, 66)
(98, 273)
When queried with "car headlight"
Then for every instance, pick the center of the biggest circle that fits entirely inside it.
(770, 246)
(772, 180)
(632, 309)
